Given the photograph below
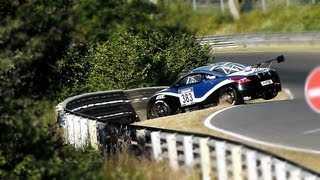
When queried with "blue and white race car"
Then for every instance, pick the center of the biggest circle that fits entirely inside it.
(209, 85)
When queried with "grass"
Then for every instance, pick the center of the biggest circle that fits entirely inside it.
(277, 19)
(193, 122)
(126, 166)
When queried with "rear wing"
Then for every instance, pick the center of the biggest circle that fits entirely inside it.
(265, 66)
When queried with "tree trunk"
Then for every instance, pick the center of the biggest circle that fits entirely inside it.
(234, 9)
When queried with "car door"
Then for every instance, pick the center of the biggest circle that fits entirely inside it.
(193, 88)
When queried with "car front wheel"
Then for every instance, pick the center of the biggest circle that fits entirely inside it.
(160, 109)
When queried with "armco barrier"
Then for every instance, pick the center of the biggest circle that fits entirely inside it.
(261, 39)
(80, 115)
(217, 158)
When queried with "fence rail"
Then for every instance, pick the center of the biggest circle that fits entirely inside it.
(261, 39)
(216, 157)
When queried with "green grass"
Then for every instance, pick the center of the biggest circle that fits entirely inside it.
(277, 19)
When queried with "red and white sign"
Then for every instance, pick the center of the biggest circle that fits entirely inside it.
(312, 89)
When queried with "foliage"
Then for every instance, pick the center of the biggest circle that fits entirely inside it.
(33, 36)
(140, 59)
(98, 19)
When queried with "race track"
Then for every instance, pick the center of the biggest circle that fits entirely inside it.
(286, 123)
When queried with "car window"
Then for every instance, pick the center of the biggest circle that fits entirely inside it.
(191, 79)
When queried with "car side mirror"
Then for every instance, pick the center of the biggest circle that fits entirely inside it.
(280, 59)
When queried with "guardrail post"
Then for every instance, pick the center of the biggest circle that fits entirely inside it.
(205, 159)
(252, 165)
(266, 167)
(236, 153)
(172, 151)
(93, 134)
(188, 151)
(295, 174)
(156, 146)
(84, 132)
(280, 170)
(221, 160)
(77, 131)
(70, 129)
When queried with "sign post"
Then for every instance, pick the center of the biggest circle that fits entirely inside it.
(312, 90)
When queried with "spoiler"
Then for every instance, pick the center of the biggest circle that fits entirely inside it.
(267, 64)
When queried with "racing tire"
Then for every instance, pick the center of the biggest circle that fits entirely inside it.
(269, 95)
(228, 96)
(160, 109)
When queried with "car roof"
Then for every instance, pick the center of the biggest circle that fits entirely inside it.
(221, 68)
(206, 71)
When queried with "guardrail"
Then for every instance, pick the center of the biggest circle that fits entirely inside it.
(261, 39)
(80, 115)
(216, 157)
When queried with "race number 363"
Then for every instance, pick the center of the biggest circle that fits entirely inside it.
(186, 96)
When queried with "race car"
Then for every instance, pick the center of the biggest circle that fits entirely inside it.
(209, 85)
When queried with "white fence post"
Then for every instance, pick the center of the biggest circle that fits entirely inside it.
(236, 153)
(266, 168)
(172, 151)
(221, 160)
(252, 165)
(70, 129)
(280, 170)
(84, 131)
(92, 126)
(156, 146)
(77, 131)
(188, 151)
(295, 174)
(205, 159)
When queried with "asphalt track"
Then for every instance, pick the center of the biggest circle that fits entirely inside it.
(289, 123)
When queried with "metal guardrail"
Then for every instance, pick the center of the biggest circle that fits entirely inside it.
(211, 154)
(261, 39)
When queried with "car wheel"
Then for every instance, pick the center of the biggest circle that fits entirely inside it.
(269, 95)
(160, 109)
(228, 96)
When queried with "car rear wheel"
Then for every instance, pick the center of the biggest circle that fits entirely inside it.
(228, 96)
(160, 109)
(269, 95)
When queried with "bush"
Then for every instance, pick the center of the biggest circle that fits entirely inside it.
(140, 59)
